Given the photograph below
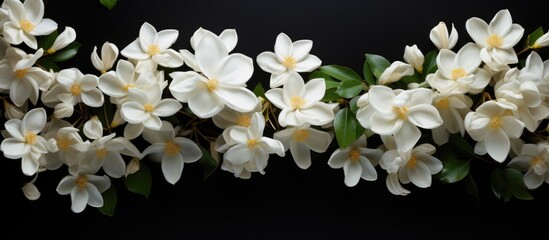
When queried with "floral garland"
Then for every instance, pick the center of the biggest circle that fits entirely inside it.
(429, 116)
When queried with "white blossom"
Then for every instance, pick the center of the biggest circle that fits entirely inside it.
(26, 21)
(440, 37)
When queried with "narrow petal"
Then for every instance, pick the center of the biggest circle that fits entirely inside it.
(314, 91)
(240, 99)
(166, 38)
(279, 79)
(209, 53)
(95, 199)
(147, 35)
(369, 172)
(172, 167)
(272, 146)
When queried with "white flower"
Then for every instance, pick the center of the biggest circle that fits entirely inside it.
(452, 108)
(24, 142)
(395, 72)
(152, 48)
(541, 42)
(226, 120)
(26, 21)
(223, 82)
(492, 125)
(496, 39)
(20, 78)
(172, 151)
(300, 102)
(11, 111)
(228, 37)
(301, 140)
(534, 160)
(109, 54)
(65, 38)
(69, 146)
(414, 57)
(30, 191)
(287, 57)
(116, 83)
(357, 160)
(147, 107)
(251, 147)
(84, 189)
(401, 114)
(242, 171)
(459, 72)
(440, 38)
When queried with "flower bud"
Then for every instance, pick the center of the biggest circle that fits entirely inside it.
(542, 41)
(93, 129)
(65, 38)
(133, 166)
(31, 191)
(395, 72)
(439, 36)
(109, 53)
(63, 110)
(13, 112)
(414, 57)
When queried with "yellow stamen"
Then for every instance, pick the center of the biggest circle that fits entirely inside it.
(101, 153)
(297, 102)
(458, 73)
(536, 46)
(301, 135)
(443, 103)
(50, 51)
(243, 120)
(30, 138)
(20, 73)
(289, 62)
(148, 108)
(212, 84)
(496, 122)
(63, 144)
(401, 112)
(537, 160)
(494, 41)
(412, 162)
(172, 148)
(75, 90)
(81, 181)
(153, 50)
(252, 143)
(354, 155)
(128, 86)
(26, 25)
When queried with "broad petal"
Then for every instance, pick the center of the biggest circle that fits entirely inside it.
(66, 185)
(283, 46)
(318, 114)
(169, 58)
(93, 98)
(183, 84)
(353, 172)
(229, 38)
(111, 85)
(238, 154)
(424, 116)
(275, 97)
(513, 37)
(478, 30)
(314, 91)
(240, 134)
(308, 64)
(132, 131)
(147, 35)
(205, 104)
(153, 122)
(102, 183)
(301, 154)
(497, 144)
(512, 126)
(269, 62)
(166, 38)
(172, 167)
(468, 57)
(301, 49)
(406, 137)
(45, 27)
(294, 86)
(278, 79)
(235, 70)
(34, 121)
(532, 180)
(20, 91)
(338, 158)
(369, 172)
(133, 112)
(14, 148)
(209, 53)
(382, 125)
(79, 199)
(393, 185)
(13, 127)
(191, 152)
(240, 99)
(501, 23)
(94, 196)
(381, 98)
(134, 51)
(114, 165)
(167, 107)
(420, 175)
(317, 140)
(272, 146)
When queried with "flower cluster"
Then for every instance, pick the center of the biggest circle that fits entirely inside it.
(413, 121)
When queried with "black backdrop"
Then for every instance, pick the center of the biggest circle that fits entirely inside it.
(287, 202)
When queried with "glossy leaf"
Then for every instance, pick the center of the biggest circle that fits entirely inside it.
(341, 73)
(347, 128)
(349, 88)
(352, 104)
(499, 185)
(515, 183)
(430, 62)
(210, 164)
(377, 64)
(534, 36)
(66, 53)
(140, 182)
(453, 169)
(109, 201)
(471, 186)
(459, 143)
(109, 4)
(368, 75)
(321, 74)
(330, 95)
(48, 65)
(259, 91)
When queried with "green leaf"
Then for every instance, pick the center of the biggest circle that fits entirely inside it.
(66, 53)
(109, 4)
(377, 64)
(45, 42)
(368, 75)
(430, 62)
(347, 128)
(340, 72)
(349, 88)
(453, 169)
(515, 183)
(259, 91)
(457, 142)
(330, 95)
(321, 74)
(499, 185)
(352, 104)
(471, 186)
(331, 84)
(48, 65)
(140, 182)
(109, 201)
(534, 36)
(210, 164)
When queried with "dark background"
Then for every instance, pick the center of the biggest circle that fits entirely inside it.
(287, 202)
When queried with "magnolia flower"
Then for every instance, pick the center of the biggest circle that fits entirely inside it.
(226, 120)
(288, 57)
(24, 142)
(439, 36)
(414, 57)
(228, 37)
(171, 151)
(534, 160)
(74, 87)
(152, 48)
(395, 72)
(357, 161)
(459, 72)
(117, 83)
(536, 70)
(452, 108)
(301, 140)
(223, 82)
(68, 145)
(251, 147)
(85, 189)
(20, 78)
(492, 125)
(300, 102)
(109, 54)
(65, 38)
(496, 39)
(541, 42)
(401, 114)
(26, 21)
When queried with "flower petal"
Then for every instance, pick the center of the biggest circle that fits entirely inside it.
(134, 51)
(338, 158)
(353, 172)
(308, 64)
(235, 70)
(301, 49)
(238, 98)
(497, 144)
(34, 121)
(166, 38)
(301, 154)
(167, 107)
(283, 46)
(95, 199)
(269, 62)
(420, 175)
(314, 91)
(79, 199)
(190, 151)
(478, 30)
(133, 112)
(424, 116)
(381, 98)
(114, 165)
(318, 141)
(93, 98)
(205, 104)
(229, 38)
(172, 167)
(209, 53)
(147, 35)
(66, 185)
(407, 136)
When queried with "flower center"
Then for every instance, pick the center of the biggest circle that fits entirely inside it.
(412, 162)
(75, 90)
(20, 73)
(297, 102)
(494, 41)
(243, 121)
(537, 160)
(289, 62)
(171, 148)
(153, 50)
(148, 108)
(458, 73)
(301, 135)
(443, 103)
(26, 25)
(495, 122)
(30, 138)
(128, 86)
(101, 153)
(251, 143)
(63, 144)
(81, 181)
(401, 112)
(354, 155)
(212, 84)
